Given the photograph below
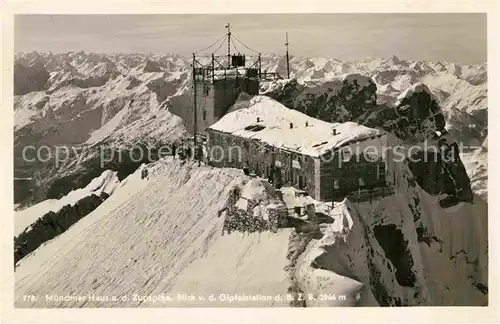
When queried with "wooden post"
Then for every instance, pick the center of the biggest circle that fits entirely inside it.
(287, 59)
(359, 191)
(213, 69)
(194, 101)
(260, 67)
(333, 193)
(228, 45)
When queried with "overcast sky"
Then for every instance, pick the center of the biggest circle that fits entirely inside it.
(457, 38)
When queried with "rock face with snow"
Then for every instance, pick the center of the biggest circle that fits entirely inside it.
(90, 101)
(418, 114)
(476, 164)
(40, 223)
(52, 224)
(414, 116)
(341, 99)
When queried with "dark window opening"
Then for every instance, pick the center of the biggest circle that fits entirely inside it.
(204, 115)
(301, 182)
(255, 128)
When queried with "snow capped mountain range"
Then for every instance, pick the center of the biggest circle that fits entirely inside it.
(88, 99)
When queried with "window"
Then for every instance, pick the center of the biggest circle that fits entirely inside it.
(204, 114)
(207, 90)
(301, 182)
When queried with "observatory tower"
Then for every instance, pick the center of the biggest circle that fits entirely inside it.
(218, 80)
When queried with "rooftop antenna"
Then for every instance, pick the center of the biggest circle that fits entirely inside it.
(228, 26)
(287, 59)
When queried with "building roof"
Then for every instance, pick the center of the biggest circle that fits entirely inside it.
(269, 121)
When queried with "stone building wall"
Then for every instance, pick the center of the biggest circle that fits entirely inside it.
(281, 167)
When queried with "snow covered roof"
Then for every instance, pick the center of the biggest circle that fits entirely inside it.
(274, 124)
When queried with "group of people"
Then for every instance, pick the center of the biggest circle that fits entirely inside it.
(187, 151)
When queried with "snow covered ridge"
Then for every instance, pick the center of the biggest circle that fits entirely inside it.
(106, 183)
(170, 243)
(44, 221)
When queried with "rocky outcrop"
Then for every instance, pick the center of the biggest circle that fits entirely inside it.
(403, 250)
(415, 116)
(246, 213)
(149, 66)
(395, 248)
(345, 98)
(418, 114)
(52, 224)
(442, 172)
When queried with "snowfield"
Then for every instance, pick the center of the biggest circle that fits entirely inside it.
(171, 244)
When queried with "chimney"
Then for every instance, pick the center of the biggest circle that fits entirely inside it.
(291, 125)
(334, 131)
(307, 124)
(258, 119)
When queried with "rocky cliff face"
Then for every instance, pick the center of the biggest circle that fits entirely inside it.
(52, 224)
(404, 249)
(344, 98)
(414, 117)
(419, 115)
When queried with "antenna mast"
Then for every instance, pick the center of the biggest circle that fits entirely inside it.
(228, 45)
(195, 130)
(287, 59)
